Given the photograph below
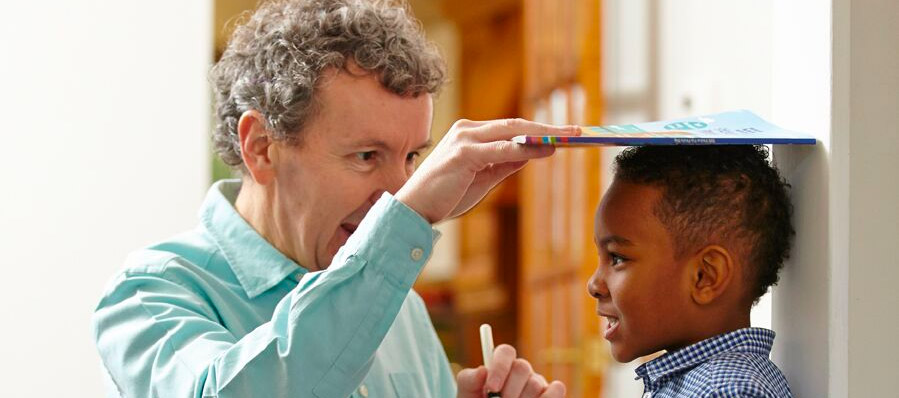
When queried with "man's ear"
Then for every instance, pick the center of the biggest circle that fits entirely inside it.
(256, 146)
(713, 272)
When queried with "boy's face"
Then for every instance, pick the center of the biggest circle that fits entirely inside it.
(642, 290)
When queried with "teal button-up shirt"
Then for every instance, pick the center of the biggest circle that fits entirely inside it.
(219, 312)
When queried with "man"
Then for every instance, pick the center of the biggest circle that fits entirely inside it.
(297, 280)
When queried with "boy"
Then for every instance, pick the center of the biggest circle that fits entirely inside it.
(689, 238)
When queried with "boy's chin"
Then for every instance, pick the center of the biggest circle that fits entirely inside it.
(622, 354)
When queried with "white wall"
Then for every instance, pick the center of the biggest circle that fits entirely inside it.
(837, 75)
(873, 197)
(804, 307)
(715, 56)
(104, 150)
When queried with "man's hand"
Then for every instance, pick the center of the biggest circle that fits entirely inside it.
(510, 376)
(469, 161)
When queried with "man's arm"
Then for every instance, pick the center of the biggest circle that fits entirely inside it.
(158, 335)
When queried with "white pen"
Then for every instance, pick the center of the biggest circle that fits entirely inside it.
(487, 351)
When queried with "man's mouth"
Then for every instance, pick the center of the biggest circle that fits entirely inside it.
(349, 228)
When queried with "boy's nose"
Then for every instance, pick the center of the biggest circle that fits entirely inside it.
(596, 287)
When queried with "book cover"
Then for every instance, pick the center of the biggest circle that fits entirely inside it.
(739, 127)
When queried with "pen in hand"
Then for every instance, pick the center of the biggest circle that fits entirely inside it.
(487, 351)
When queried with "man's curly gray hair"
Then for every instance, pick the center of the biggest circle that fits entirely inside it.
(275, 59)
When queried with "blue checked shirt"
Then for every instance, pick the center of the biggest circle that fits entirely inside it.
(218, 312)
(734, 364)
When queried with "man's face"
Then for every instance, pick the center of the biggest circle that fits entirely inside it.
(640, 287)
(362, 141)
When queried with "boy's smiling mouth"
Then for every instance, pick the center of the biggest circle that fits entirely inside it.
(611, 325)
(611, 328)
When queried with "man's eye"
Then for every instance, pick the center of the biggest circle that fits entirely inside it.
(366, 156)
(412, 156)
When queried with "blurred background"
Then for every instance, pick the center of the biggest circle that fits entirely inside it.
(107, 115)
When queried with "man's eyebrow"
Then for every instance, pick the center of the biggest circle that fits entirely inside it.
(614, 239)
(376, 143)
(382, 145)
(425, 146)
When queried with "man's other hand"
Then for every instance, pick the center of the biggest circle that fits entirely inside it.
(508, 375)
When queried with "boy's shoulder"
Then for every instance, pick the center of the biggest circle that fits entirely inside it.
(734, 364)
(739, 374)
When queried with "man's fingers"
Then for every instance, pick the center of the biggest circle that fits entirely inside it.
(518, 376)
(535, 385)
(502, 171)
(555, 390)
(499, 368)
(505, 129)
(495, 173)
(468, 124)
(508, 151)
(471, 382)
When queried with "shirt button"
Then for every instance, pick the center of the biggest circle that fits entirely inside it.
(363, 390)
(647, 395)
(417, 253)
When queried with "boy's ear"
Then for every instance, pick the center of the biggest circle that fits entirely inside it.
(713, 271)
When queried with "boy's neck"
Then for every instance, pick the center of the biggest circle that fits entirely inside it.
(723, 325)
(704, 329)
(738, 322)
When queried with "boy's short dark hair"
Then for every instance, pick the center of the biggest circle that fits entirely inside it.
(718, 194)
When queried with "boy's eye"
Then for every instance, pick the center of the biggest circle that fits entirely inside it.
(616, 259)
(365, 156)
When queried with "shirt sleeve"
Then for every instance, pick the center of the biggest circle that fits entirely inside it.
(159, 337)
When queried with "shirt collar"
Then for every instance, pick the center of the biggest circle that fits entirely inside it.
(257, 264)
(756, 341)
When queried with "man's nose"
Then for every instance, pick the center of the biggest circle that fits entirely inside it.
(395, 179)
(390, 180)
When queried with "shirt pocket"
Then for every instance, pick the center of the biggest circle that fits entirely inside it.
(406, 385)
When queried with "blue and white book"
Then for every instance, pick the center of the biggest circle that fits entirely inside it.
(740, 127)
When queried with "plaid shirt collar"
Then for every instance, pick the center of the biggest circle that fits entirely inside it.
(756, 341)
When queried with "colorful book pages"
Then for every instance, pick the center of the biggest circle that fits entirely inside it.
(740, 127)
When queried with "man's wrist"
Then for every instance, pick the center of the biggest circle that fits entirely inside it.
(403, 197)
